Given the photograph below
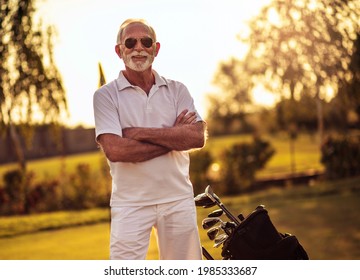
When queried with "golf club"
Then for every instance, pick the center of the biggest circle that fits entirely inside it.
(204, 201)
(212, 233)
(216, 213)
(213, 197)
(227, 227)
(220, 239)
(206, 254)
(210, 222)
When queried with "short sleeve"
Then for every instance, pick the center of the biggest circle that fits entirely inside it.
(105, 113)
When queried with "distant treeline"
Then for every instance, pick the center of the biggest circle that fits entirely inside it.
(46, 141)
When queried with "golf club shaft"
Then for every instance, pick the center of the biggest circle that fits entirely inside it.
(227, 212)
(206, 254)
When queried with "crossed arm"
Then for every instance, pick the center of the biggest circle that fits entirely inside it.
(141, 144)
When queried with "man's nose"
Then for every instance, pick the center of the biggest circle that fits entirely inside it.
(138, 45)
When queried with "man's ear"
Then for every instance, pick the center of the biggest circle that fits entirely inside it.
(157, 48)
(118, 51)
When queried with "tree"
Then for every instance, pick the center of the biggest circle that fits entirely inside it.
(31, 90)
(241, 162)
(306, 45)
(350, 91)
(227, 109)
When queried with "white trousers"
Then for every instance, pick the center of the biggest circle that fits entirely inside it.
(175, 228)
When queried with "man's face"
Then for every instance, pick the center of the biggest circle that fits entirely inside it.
(136, 49)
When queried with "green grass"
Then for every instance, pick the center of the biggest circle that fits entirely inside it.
(307, 157)
(78, 243)
(325, 218)
(18, 225)
(307, 153)
(49, 168)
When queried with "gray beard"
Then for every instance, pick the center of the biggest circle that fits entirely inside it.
(138, 66)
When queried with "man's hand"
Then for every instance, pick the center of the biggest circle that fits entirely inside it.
(186, 134)
(185, 118)
(119, 149)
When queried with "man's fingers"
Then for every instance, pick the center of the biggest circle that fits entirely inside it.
(185, 117)
(190, 118)
(180, 117)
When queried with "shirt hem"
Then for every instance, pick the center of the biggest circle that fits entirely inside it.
(150, 203)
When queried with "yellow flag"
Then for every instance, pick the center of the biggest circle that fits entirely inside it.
(102, 80)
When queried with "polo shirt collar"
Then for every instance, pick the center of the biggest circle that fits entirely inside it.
(122, 82)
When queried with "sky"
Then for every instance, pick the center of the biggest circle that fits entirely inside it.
(195, 35)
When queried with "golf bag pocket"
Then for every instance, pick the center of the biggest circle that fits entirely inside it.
(256, 238)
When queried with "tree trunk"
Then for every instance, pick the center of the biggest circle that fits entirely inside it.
(320, 118)
(19, 151)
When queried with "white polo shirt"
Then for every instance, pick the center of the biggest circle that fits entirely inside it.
(118, 105)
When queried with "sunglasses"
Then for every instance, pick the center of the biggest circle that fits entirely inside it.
(131, 42)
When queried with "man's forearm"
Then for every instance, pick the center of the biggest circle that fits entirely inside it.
(179, 138)
(118, 149)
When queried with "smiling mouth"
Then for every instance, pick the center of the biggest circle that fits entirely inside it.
(138, 57)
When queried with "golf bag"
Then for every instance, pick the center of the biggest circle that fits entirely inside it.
(256, 238)
(251, 238)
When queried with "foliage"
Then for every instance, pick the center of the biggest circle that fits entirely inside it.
(14, 193)
(341, 156)
(200, 162)
(234, 84)
(83, 191)
(349, 92)
(301, 113)
(242, 161)
(294, 48)
(31, 89)
(55, 182)
(315, 215)
(79, 190)
(303, 44)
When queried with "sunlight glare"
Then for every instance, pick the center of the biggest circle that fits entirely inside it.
(263, 97)
(190, 51)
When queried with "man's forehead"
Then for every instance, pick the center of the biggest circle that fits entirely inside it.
(134, 28)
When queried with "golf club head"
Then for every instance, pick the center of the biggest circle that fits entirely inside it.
(220, 239)
(216, 213)
(204, 201)
(210, 194)
(210, 222)
(213, 232)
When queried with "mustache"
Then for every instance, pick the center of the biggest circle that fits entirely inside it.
(142, 53)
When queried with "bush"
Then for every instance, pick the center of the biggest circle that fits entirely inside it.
(44, 197)
(85, 189)
(82, 190)
(242, 161)
(14, 192)
(341, 156)
(200, 161)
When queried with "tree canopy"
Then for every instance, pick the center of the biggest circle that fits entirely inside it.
(298, 47)
(303, 44)
(31, 89)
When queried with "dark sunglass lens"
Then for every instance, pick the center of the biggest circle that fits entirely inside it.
(130, 43)
(146, 42)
